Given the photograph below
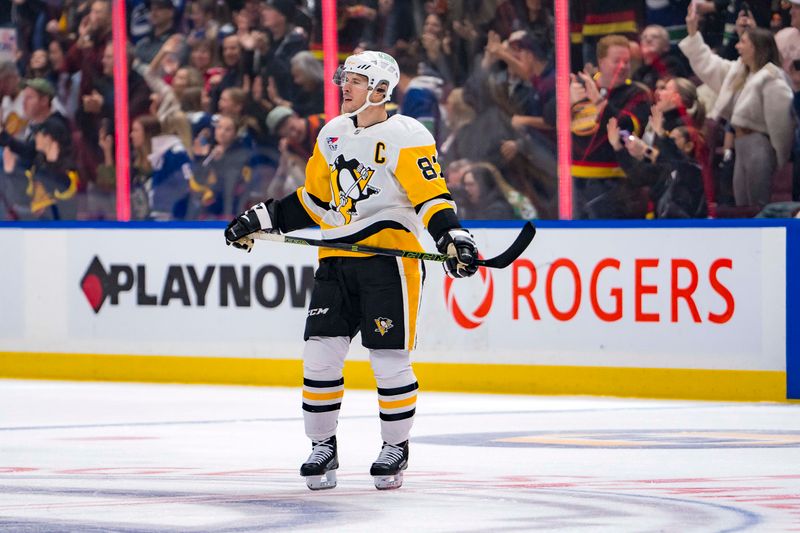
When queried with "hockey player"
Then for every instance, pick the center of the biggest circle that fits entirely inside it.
(371, 180)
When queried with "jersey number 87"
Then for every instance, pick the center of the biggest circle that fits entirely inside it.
(428, 169)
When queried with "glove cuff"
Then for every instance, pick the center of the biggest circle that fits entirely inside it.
(264, 219)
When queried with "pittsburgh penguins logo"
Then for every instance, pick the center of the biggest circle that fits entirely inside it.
(350, 185)
(384, 325)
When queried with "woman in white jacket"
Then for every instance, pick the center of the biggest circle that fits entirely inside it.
(755, 97)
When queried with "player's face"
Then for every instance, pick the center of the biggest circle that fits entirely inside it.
(354, 92)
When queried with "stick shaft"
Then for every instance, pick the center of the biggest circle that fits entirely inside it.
(501, 261)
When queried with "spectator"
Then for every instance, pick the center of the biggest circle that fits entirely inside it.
(12, 112)
(436, 48)
(203, 57)
(38, 95)
(419, 94)
(297, 139)
(454, 176)
(307, 76)
(678, 104)
(788, 40)
(277, 17)
(86, 54)
(756, 99)
(530, 64)
(162, 17)
(223, 174)
(38, 64)
(172, 173)
(484, 199)
(600, 189)
(357, 22)
(538, 21)
(658, 61)
(458, 114)
(203, 24)
(143, 129)
(673, 176)
(53, 180)
(66, 84)
(234, 69)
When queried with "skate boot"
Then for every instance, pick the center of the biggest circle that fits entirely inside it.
(388, 467)
(320, 467)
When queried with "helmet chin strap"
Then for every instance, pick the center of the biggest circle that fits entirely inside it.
(366, 104)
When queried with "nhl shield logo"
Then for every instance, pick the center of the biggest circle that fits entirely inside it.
(384, 325)
(333, 143)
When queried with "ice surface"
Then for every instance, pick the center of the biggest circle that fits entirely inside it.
(153, 458)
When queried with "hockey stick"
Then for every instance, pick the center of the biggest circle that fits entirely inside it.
(501, 261)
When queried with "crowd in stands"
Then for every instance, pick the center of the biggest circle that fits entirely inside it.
(678, 109)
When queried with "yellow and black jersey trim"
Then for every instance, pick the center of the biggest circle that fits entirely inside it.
(428, 208)
(315, 208)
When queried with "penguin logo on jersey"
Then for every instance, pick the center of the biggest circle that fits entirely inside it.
(384, 325)
(350, 185)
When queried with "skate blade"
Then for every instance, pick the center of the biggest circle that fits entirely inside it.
(389, 482)
(327, 481)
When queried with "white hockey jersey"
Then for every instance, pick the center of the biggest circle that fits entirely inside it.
(376, 186)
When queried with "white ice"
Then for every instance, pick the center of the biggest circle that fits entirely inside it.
(174, 458)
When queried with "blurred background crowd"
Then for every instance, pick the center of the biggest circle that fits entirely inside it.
(678, 109)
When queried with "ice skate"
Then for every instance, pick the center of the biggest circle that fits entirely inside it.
(388, 467)
(320, 467)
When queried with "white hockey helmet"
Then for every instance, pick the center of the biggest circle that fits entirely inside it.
(378, 67)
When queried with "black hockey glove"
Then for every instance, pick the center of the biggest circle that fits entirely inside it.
(460, 246)
(258, 218)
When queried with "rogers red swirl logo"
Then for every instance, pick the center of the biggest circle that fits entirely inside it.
(473, 319)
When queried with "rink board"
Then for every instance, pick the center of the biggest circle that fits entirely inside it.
(673, 310)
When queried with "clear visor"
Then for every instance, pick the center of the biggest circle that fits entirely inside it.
(339, 75)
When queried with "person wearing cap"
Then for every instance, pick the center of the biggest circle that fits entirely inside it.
(37, 94)
(52, 179)
(372, 179)
(297, 136)
(299, 133)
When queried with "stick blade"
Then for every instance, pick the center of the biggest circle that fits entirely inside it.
(514, 251)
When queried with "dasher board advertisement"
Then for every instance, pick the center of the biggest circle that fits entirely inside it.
(706, 298)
